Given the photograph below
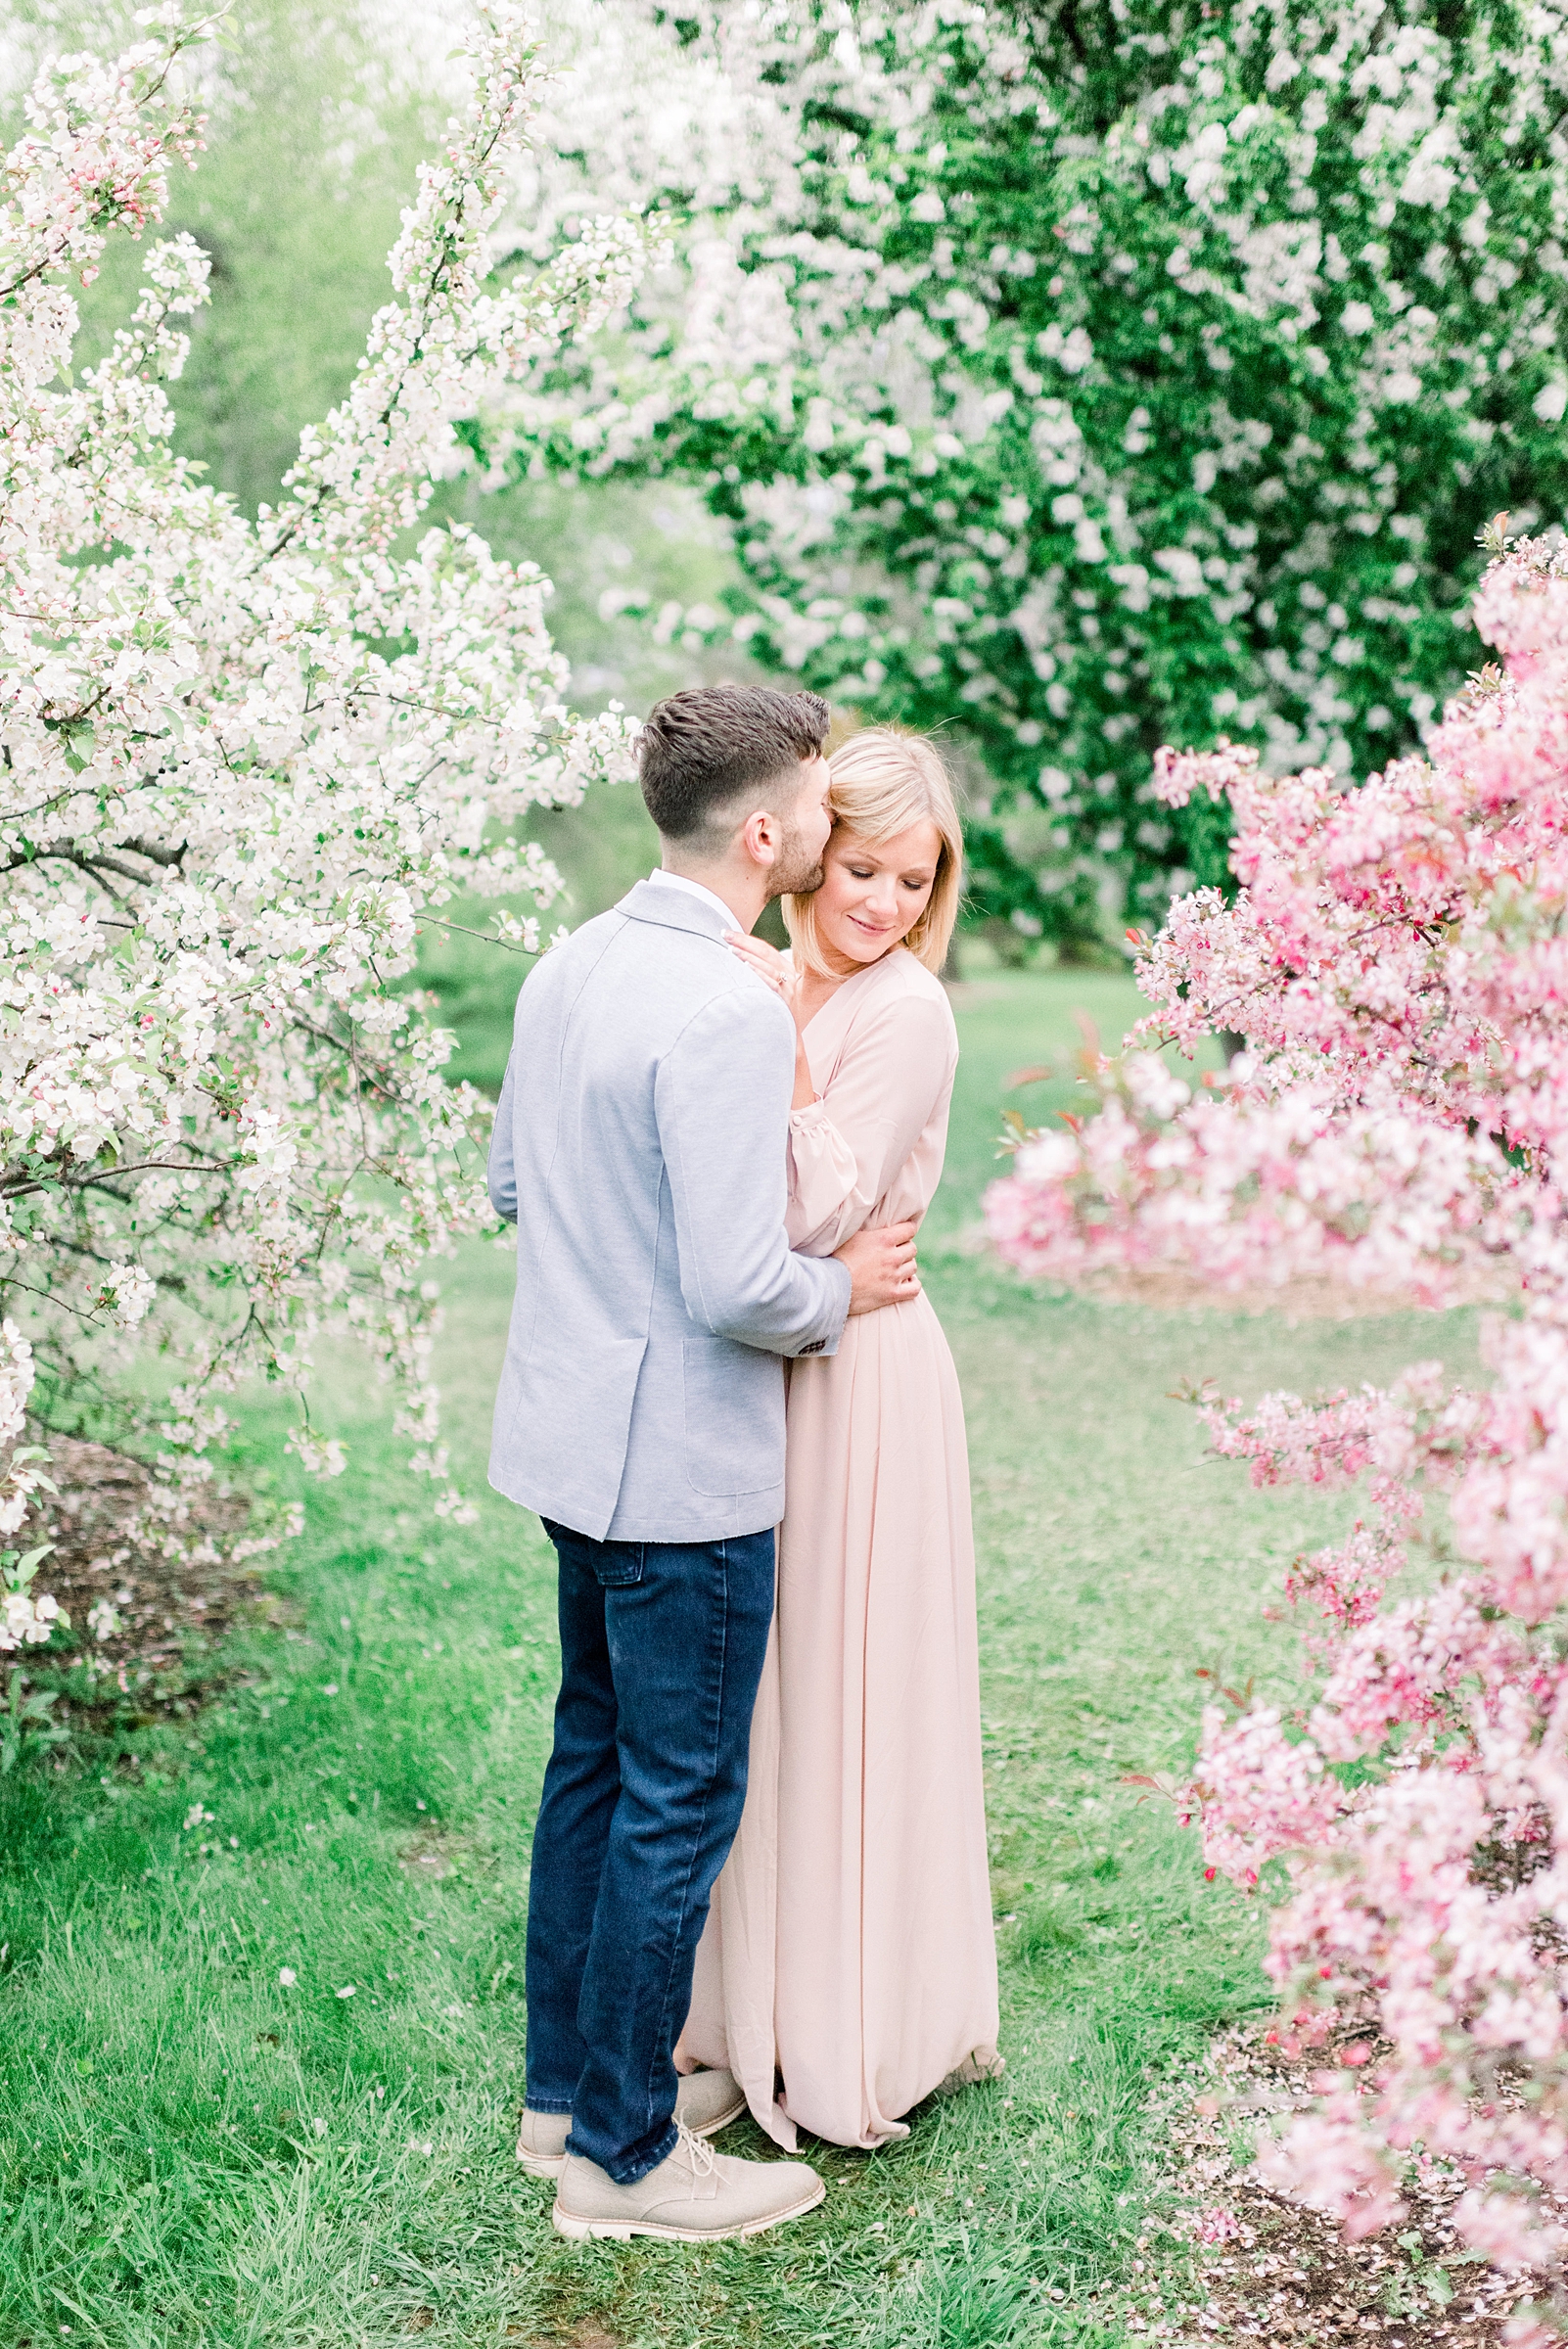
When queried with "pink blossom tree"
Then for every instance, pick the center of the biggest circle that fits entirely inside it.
(1397, 958)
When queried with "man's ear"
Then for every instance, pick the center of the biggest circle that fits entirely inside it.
(759, 837)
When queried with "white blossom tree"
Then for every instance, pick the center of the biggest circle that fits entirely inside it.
(238, 764)
(1093, 376)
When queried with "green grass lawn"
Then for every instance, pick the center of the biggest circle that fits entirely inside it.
(194, 2151)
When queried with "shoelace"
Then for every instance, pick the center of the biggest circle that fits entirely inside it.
(701, 2155)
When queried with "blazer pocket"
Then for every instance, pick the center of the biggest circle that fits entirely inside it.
(734, 1415)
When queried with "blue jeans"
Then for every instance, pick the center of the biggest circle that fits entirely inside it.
(661, 1648)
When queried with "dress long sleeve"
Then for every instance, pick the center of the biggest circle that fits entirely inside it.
(891, 1079)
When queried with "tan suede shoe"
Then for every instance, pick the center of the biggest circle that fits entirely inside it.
(704, 2102)
(708, 2102)
(541, 2142)
(694, 2197)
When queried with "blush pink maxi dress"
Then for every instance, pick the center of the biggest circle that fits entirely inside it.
(849, 1966)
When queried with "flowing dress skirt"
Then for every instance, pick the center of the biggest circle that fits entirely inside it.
(851, 1947)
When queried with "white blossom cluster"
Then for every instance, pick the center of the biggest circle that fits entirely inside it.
(26, 1617)
(240, 764)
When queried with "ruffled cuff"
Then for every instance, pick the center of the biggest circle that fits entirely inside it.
(823, 1177)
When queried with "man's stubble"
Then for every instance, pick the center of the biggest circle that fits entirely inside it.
(791, 875)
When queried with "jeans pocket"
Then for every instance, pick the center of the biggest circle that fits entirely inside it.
(612, 1564)
(618, 1565)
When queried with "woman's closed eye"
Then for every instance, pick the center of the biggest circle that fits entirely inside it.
(914, 882)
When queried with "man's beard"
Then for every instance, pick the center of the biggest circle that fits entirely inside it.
(791, 875)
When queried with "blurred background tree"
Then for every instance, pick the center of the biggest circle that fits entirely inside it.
(1066, 378)
(1084, 377)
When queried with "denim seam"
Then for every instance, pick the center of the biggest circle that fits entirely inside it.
(697, 1834)
(570, 1548)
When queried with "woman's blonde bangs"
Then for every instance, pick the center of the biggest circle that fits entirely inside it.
(883, 782)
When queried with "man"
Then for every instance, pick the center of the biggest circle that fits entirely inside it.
(640, 1146)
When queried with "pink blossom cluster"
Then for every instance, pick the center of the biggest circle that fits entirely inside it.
(240, 766)
(1396, 959)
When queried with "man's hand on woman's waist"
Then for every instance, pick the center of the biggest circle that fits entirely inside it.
(882, 1267)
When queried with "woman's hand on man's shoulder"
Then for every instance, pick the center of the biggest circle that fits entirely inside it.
(775, 969)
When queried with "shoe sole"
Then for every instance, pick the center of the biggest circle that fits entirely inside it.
(622, 2231)
(551, 2165)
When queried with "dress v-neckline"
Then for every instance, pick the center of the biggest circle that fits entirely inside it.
(864, 972)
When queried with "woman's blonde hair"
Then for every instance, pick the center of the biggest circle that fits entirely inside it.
(883, 782)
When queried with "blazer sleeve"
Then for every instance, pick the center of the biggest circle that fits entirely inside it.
(721, 1100)
(500, 1173)
(846, 1149)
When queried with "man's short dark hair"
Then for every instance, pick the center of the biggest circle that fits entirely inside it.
(702, 751)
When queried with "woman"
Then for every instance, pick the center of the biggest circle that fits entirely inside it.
(850, 1948)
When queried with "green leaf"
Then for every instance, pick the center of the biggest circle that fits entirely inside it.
(81, 742)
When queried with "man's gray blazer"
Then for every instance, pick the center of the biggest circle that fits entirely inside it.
(640, 1148)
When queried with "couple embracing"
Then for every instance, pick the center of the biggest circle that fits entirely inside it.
(759, 1873)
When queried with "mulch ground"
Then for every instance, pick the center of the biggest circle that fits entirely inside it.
(153, 1579)
(1241, 2264)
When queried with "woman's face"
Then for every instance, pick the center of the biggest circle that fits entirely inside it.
(871, 897)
